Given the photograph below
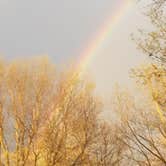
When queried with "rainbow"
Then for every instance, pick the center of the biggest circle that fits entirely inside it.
(98, 41)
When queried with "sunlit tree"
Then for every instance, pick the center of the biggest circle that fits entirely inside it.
(142, 119)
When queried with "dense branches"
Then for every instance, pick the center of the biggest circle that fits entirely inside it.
(48, 117)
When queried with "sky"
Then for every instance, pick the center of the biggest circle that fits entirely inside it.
(62, 30)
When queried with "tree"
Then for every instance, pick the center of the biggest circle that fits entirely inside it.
(143, 126)
(27, 91)
(152, 42)
(51, 117)
(75, 135)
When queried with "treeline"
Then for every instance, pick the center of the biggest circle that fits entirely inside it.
(52, 118)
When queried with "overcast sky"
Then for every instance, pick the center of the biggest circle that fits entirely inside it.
(59, 28)
(63, 28)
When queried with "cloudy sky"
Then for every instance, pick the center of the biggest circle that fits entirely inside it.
(62, 29)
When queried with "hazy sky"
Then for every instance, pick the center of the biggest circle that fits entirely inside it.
(63, 28)
(59, 28)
